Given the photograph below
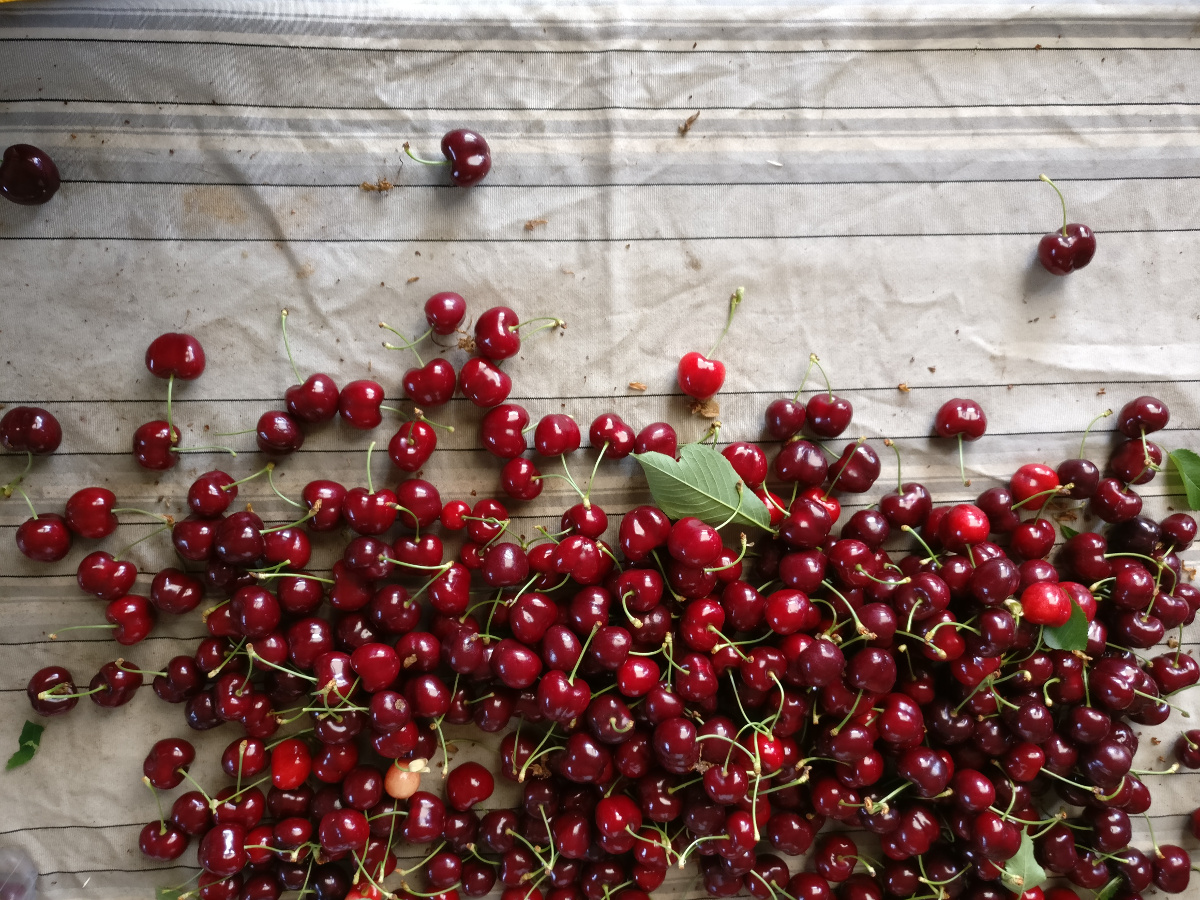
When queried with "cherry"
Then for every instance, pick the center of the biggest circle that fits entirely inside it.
(1172, 868)
(432, 384)
(856, 470)
(315, 400)
(700, 377)
(278, 433)
(828, 416)
(555, 435)
(44, 538)
(1115, 502)
(501, 430)
(1142, 415)
(30, 429)
(445, 311)
(153, 445)
(359, 404)
(117, 683)
(163, 764)
(1083, 474)
(162, 842)
(483, 383)
(468, 785)
(470, 159)
(785, 417)
(58, 686)
(28, 176)
(1068, 249)
(176, 592)
(496, 333)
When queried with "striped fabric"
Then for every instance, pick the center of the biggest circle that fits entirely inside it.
(868, 173)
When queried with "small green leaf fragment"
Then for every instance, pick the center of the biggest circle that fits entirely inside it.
(1067, 531)
(1022, 872)
(703, 484)
(1109, 890)
(1071, 636)
(27, 745)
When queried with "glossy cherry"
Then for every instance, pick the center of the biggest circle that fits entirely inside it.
(28, 176)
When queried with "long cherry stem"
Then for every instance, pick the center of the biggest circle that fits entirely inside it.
(424, 162)
(1103, 415)
(734, 302)
(1061, 199)
(288, 347)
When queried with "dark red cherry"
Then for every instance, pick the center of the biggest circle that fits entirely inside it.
(105, 577)
(445, 311)
(828, 415)
(1064, 251)
(153, 445)
(610, 429)
(28, 176)
(1142, 415)
(470, 158)
(30, 429)
(960, 416)
(278, 434)
(175, 354)
(314, 401)
(359, 404)
(45, 538)
(89, 512)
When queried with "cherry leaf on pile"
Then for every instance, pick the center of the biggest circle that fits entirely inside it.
(701, 483)
(1073, 635)
(1187, 464)
(1067, 531)
(1022, 872)
(27, 745)
(1109, 890)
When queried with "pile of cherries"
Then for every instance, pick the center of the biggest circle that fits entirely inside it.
(660, 700)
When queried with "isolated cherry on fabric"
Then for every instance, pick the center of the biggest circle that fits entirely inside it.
(28, 176)
(30, 429)
(699, 376)
(467, 153)
(1072, 247)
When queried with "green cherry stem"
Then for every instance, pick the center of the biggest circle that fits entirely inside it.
(1061, 199)
(8, 488)
(735, 300)
(28, 502)
(1103, 415)
(424, 162)
(370, 483)
(283, 316)
(804, 380)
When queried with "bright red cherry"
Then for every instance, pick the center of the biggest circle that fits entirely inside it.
(483, 383)
(153, 445)
(445, 311)
(359, 404)
(432, 384)
(496, 334)
(700, 377)
(316, 400)
(28, 176)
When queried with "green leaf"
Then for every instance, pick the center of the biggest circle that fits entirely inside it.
(1071, 636)
(27, 745)
(1187, 464)
(1109, 890)
(1067, 531)
(1022, 872)
(702, 483)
